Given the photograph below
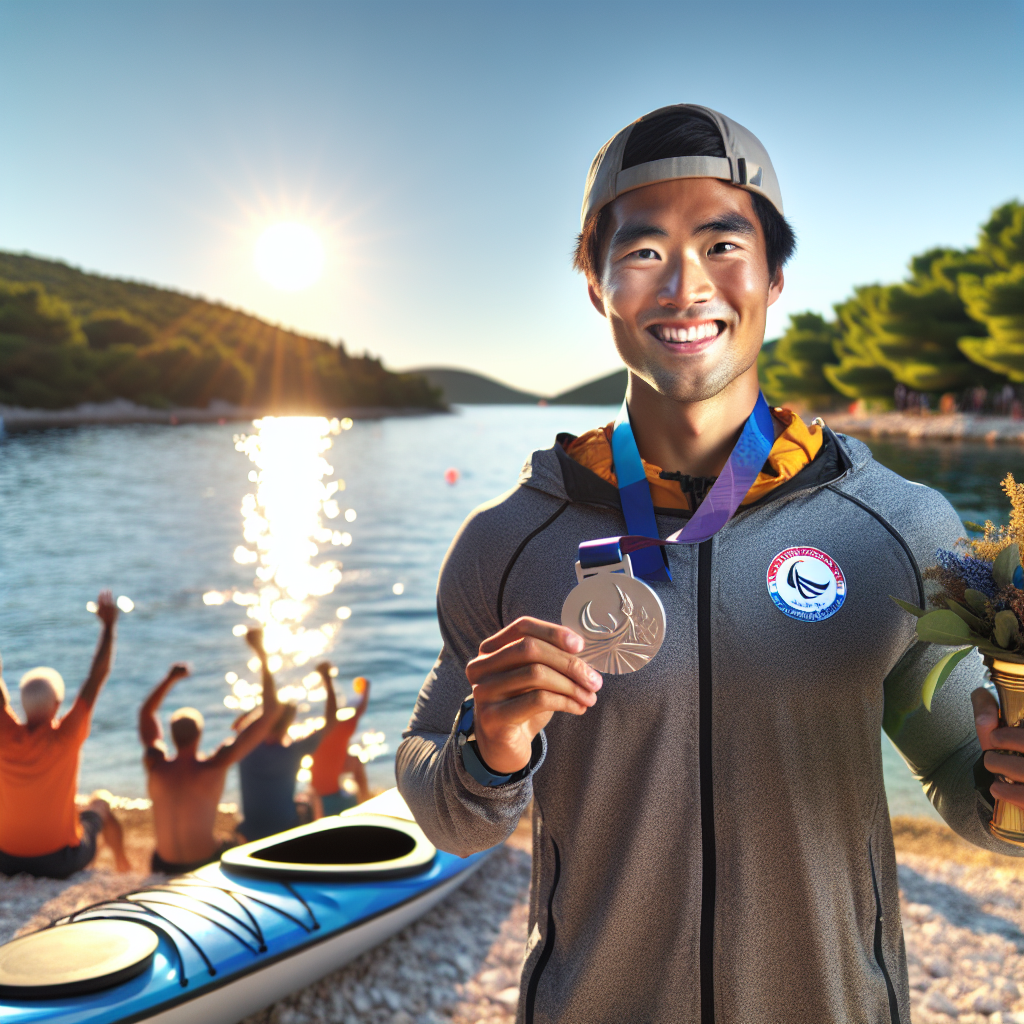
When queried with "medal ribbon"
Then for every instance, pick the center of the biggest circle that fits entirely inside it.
(642, 543)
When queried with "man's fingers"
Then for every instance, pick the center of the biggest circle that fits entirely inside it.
(499, 689)
(531, 650)
(526, 625)
(519, 709)
(1009, 765)
(986, 720)
(1011, 792)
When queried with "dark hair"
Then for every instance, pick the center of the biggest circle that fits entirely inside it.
(683, 133)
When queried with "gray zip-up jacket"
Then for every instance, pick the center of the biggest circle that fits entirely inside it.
(712, 838)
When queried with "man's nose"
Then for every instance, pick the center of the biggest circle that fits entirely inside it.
(686, 282)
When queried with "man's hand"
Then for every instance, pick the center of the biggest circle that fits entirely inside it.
(325, 668)
(1002, 746)
(106, 610)
(254, 638)
(178, 671)
(521, 677)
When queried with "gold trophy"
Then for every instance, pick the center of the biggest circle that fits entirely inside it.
(1008, 677)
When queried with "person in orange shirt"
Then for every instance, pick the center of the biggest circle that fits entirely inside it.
(332, 758)
(41, 832)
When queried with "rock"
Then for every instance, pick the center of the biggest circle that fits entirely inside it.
(1008, 988)
(938, 967)
(984, 1000)
(940, 1004)
(508, 997)
(401, 1017)
(361, 1001)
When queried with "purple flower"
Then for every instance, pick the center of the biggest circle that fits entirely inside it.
(975, 573)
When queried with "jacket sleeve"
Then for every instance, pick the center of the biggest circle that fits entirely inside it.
(941, 746)
(456, 812)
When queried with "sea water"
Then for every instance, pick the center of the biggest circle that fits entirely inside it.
(330, 533)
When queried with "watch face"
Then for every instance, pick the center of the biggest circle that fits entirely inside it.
(621, 619)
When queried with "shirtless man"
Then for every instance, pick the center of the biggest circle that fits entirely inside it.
(41, 832)
(186, 789)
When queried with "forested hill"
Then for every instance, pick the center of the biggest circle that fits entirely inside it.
(68, 337)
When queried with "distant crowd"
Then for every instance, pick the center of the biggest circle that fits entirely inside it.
(44, 833)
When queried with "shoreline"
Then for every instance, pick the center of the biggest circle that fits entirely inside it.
(961, 910)
(938, 427)
(14, 419)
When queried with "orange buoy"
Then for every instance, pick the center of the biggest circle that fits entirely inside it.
(451, 475)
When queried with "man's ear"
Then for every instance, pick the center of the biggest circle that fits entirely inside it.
(597, 302)
(775, 288)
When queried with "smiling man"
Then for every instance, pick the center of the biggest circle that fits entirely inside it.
(711, 833)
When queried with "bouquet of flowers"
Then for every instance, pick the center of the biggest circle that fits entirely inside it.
(981, 601)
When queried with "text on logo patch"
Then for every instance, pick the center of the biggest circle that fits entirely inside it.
(806, 584)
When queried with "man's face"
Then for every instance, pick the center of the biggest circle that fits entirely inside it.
(684, 284)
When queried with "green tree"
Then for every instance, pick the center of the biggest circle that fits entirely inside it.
(796, 361)
(858, 373)
(995, 296)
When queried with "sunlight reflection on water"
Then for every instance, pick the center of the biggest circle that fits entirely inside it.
(155, 514)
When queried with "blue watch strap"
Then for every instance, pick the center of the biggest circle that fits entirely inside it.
(474, 763)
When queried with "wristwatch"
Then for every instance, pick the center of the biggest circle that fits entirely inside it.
(474, 763)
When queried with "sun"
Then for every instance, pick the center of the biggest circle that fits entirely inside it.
(289, 256)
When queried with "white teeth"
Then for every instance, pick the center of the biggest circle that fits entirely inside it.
(683, 334)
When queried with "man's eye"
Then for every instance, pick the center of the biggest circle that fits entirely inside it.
(723, 247)
(646, 254)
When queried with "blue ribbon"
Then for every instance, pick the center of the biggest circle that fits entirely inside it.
(642, 543)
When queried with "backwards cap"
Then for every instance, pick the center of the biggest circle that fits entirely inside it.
(745, 164)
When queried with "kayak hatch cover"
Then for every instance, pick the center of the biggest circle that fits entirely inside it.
(216, 945)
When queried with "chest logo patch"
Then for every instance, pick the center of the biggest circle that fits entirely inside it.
(806, 584)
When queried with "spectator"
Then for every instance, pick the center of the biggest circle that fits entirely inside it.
(186, 789)
(268, 774)
(41, 831)
(332, 758)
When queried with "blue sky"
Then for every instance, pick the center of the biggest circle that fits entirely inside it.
(441, 148)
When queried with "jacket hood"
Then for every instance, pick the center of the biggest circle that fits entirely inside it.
(553, 472)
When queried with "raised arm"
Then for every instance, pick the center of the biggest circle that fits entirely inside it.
(255, 732)
(7, 715)
(149, 725)
(362, 686)
(331, 704)
(106, 611)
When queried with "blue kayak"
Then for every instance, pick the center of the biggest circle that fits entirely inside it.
(233, 937)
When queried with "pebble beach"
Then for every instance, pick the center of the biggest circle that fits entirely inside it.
(963, 918)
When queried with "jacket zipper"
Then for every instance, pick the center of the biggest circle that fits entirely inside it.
(894, 1006)
(707, 796)
(549, 944)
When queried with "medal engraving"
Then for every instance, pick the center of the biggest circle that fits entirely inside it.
(620, 617)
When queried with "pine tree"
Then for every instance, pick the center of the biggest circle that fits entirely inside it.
(794, 370)
(995, 296)
(859, 373)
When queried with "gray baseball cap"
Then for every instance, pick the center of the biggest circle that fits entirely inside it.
(745, 164)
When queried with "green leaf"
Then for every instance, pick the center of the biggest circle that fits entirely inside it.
(977, 601)
(908, 607)
(972, 620)
(1006, 631)
(974, 527)
(943, 627)
(1005, 565)
(940, 673)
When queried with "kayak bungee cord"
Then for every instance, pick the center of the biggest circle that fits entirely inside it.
(139, 906)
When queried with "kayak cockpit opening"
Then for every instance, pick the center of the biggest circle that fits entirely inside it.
(352, 846)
